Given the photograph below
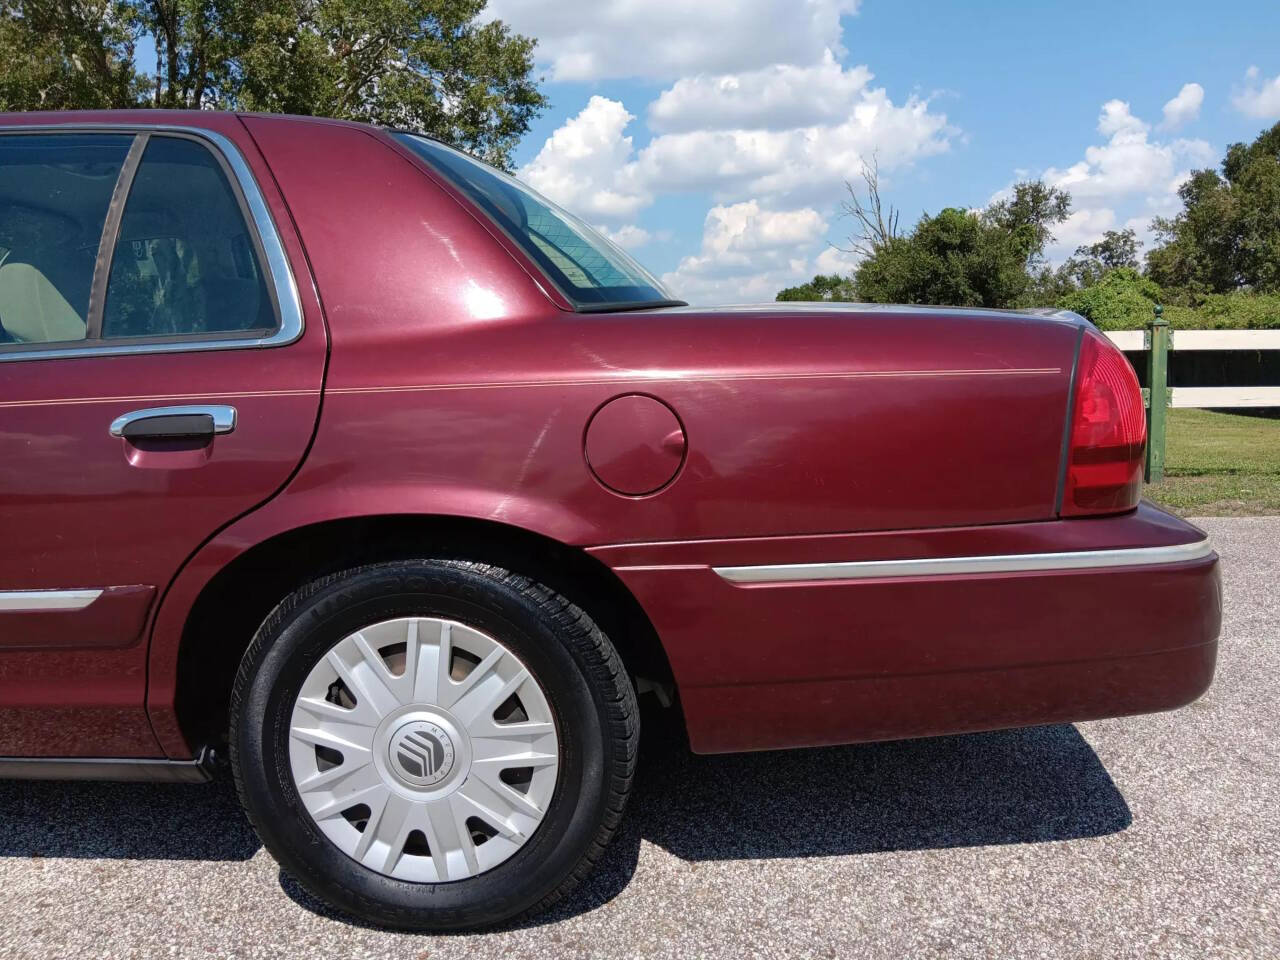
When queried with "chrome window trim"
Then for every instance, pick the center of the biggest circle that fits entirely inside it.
(45, 600)
(277, 262)
(946, 566)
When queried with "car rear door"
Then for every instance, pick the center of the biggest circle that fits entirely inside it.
(161, 364)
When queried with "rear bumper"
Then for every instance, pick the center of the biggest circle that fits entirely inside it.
(810, 655)
(815, 713)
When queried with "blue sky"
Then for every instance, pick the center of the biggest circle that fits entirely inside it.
(712, 138)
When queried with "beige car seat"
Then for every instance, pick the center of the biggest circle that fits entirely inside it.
(31, 308)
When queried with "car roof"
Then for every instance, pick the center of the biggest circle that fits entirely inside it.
(204, 119)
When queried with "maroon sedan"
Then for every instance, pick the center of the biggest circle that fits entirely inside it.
(338, 450)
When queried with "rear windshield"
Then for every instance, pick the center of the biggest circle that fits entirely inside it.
(590, 270)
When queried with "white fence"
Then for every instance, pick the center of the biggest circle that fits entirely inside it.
(1135, 340)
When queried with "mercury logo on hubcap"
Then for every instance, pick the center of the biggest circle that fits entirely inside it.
(421, 753)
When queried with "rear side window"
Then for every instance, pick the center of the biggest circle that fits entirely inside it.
(124, 238)
(184, 262)
(55, 191)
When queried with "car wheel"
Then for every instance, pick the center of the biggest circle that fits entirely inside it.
(433, 744)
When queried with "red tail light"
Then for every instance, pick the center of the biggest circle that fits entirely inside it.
(1108, 433)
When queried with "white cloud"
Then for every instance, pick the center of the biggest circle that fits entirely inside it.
(1199, 152)
(1183, 108)
(779, 97)
(1128, 162)
(833, 260)
(1259, 97)
(750, 109)
(744, 227)
(1084, 226)
(1141, 226)
(590, 164)
(811, 161)
(1129, 178)
(748, 254)
(629, 236)
(1166, 203)
(1117, 120)
(580, 165)
(585, 40)
(1181, 177)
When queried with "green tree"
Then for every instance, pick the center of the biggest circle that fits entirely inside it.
(1047, 286)
(1090, 263)
(822, 287)
(60, 54)
(428, 65)
(989, 258)
(957, 257)
(1028, 217)
(1121, 300)
(1227, 236)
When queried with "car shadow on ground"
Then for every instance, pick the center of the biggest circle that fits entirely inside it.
(1016, 786)
(1013, 786)
(124, 821)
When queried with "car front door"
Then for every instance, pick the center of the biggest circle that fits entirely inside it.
(160, 375)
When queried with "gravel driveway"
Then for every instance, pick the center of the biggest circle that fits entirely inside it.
(1144, 837)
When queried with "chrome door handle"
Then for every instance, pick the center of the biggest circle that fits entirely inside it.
(168, 423)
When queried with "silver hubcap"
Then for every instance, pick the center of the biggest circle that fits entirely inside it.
(424, 749)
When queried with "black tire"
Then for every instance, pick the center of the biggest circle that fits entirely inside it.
(588, 690)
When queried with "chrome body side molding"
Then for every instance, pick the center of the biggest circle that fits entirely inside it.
(949, 566)
(36, 600)
(199, 769)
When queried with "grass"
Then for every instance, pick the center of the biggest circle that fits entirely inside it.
(1220, 465)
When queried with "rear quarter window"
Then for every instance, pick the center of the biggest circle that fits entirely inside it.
(588, 268)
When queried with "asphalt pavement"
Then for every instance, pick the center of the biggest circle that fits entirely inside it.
(1152, 836)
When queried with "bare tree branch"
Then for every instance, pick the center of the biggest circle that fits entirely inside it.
(877, 226)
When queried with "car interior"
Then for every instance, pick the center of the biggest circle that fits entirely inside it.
(51, 218)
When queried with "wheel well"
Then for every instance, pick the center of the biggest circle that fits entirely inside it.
(239, 598)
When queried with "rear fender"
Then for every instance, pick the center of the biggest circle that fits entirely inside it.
(293, 511)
